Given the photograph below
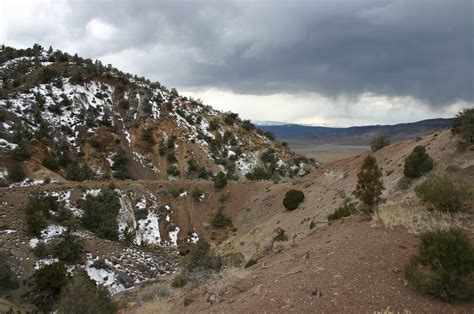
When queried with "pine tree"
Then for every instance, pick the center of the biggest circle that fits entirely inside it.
(418, 163)
(81, 287)
(369, 183)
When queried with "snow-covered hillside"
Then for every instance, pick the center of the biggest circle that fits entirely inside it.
(69, 110)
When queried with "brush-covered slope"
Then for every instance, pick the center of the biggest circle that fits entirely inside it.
(78, 119)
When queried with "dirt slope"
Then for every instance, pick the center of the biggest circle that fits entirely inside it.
(354, 265)
(349, 267)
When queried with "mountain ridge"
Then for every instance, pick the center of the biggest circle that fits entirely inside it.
(356, 135)
(123, 126)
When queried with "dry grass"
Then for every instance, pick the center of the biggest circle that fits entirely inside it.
(220, 284)
(417, 219)
(153, 293)
(158, 298)
(388, 310)
(157, 306)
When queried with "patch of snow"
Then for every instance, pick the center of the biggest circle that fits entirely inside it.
(65, 197)
(194, 238)
(33, 242)
(141, 204)
(125, 217)
(148, 230)
(174, 237)
(92, 192)
(44, 262)
(105, 277)
(51, 232)
(27, 182)
(5, 143)
(8, 231)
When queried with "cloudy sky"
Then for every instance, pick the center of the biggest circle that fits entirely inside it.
(326, 62)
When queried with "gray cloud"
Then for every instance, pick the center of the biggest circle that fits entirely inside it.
(422, 49)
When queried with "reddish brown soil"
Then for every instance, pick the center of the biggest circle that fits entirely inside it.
(356, 267)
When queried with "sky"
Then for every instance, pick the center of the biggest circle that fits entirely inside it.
(323, 62)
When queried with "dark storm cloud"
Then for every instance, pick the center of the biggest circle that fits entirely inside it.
(422, 49)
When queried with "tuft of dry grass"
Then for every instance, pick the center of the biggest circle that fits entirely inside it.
(388, 310)
(154, 293)
(157, 306)
(417, 219)
(221, 284)
(157, 298)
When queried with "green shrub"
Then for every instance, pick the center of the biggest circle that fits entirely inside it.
(171, 157)
(47, 74)
(175, 192)
(22, 151)
(199, 259)
(445, 191)
(8, 280)
(269, 135)
(82, 288)
(119, 165)
(292, 199)
(100, 214)
(192, 165)
(248, 125)
(196, 193)
(171, 142)
(369, 183)
(37, 212)
(221, 220)
(258, 173)
(417, 163)
(50, 163)
(220, 180)
(48, 282)
(345, 210)
(379, 141)
(203, 173)
(124, 104)
(463, 124)
(16, 173)
(173, 171)
(70, 248)
(41, 250)
(444, 265)
(214, 125)
(78, 172)
(180, 280)
(147, 135)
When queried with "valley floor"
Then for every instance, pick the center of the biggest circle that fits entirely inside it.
(325, 152)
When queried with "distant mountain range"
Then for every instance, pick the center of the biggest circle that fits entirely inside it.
(357, 135)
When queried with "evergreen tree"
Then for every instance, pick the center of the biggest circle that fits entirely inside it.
(16, 173)
(81, 287)
(369, 183)
(379, 141)
(22, 151)
(220, 180)
(463, 124)
(417, 163)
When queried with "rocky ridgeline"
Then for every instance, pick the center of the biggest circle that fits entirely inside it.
(79, 120)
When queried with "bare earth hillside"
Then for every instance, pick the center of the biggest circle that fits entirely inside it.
(352, 265)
